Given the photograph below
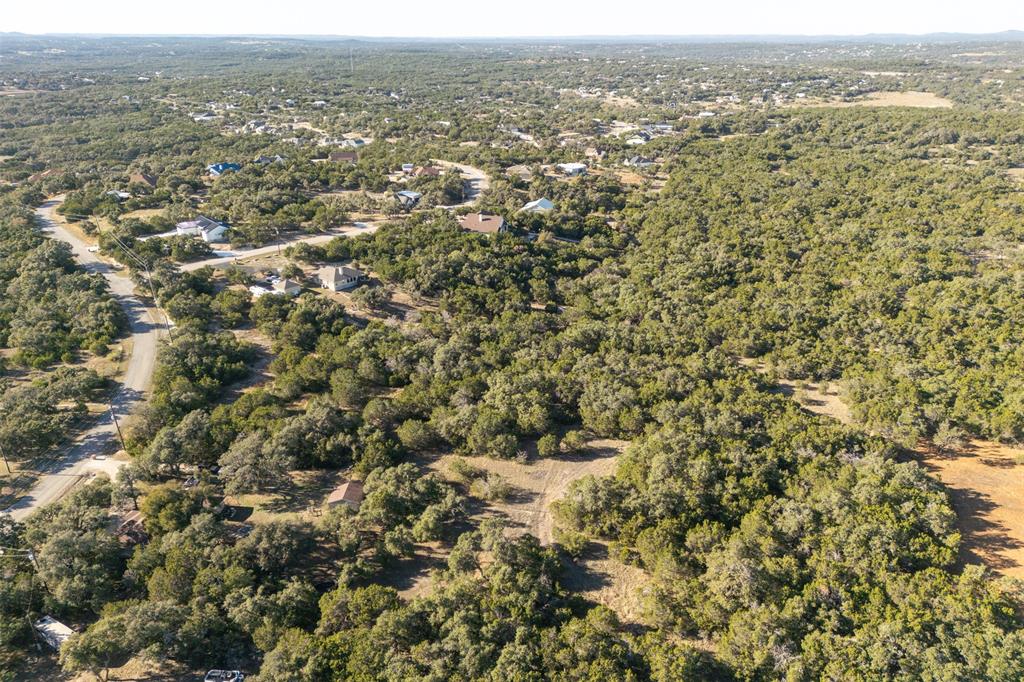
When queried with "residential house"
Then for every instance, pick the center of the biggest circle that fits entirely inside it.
(355, 142)
(522, 172)
(408, 168)
(287, 287)
(349, 493)
(484, 223)
(266, 160)
(426, 171)
(538, 206)
(638, 162)
(343, 157)
(572, 169)
(130, 530)
(408, 199)
(209, 229)
(218, 169)
(142, 179)
(335, 278)
(52, 631)
(118, 194)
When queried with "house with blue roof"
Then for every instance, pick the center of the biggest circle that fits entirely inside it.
(216, 169)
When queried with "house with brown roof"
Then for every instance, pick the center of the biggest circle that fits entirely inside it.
(349, 493)
(142, 179)
(426, 171)
(343, 157)
(484, 223)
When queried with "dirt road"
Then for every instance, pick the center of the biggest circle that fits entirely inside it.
(90, 452)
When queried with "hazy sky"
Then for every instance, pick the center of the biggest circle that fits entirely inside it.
(442, 18)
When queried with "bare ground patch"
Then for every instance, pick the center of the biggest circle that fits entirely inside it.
(985, 481)
(596, 575)
(540, 482)
(912, 98)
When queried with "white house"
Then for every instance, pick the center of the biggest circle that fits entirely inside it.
(572, 168)
(209, 229)
(638, 162)
(287, 287)
(335, 278)
(52, 631)
(542, 205)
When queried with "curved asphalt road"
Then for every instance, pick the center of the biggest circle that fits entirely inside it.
(90, 451)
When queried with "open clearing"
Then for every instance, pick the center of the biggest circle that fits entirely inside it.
(912, 98)
(985, 483)
(537, 484)
(1016, 174)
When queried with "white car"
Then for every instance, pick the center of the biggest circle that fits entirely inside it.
(93, 249)
(224, 676)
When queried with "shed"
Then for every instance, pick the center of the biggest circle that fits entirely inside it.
(349, 493)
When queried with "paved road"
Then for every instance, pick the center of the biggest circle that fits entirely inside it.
(90, 453)
(476, 181)
(91, 450)
(227, 257)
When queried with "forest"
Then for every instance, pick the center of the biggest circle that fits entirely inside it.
(748, 239)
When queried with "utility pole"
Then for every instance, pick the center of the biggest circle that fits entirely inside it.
(113, 418)
(149, 278)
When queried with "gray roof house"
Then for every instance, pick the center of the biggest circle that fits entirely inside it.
(335, 279)
(209, 229)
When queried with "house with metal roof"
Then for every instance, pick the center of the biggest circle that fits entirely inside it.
(542, 205)
(218, 169)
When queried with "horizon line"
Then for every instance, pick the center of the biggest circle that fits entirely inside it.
(628, 36)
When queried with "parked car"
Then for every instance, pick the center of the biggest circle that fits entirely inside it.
(224, 676)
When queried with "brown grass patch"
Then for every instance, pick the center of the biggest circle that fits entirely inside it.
(912, 98)
(985, 481)
(1016, 174)
(143, 213)
(820, 398)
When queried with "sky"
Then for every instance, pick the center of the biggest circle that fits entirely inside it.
(483, 18)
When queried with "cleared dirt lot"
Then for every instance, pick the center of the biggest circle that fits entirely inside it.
(913, 98)
(986, 485)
